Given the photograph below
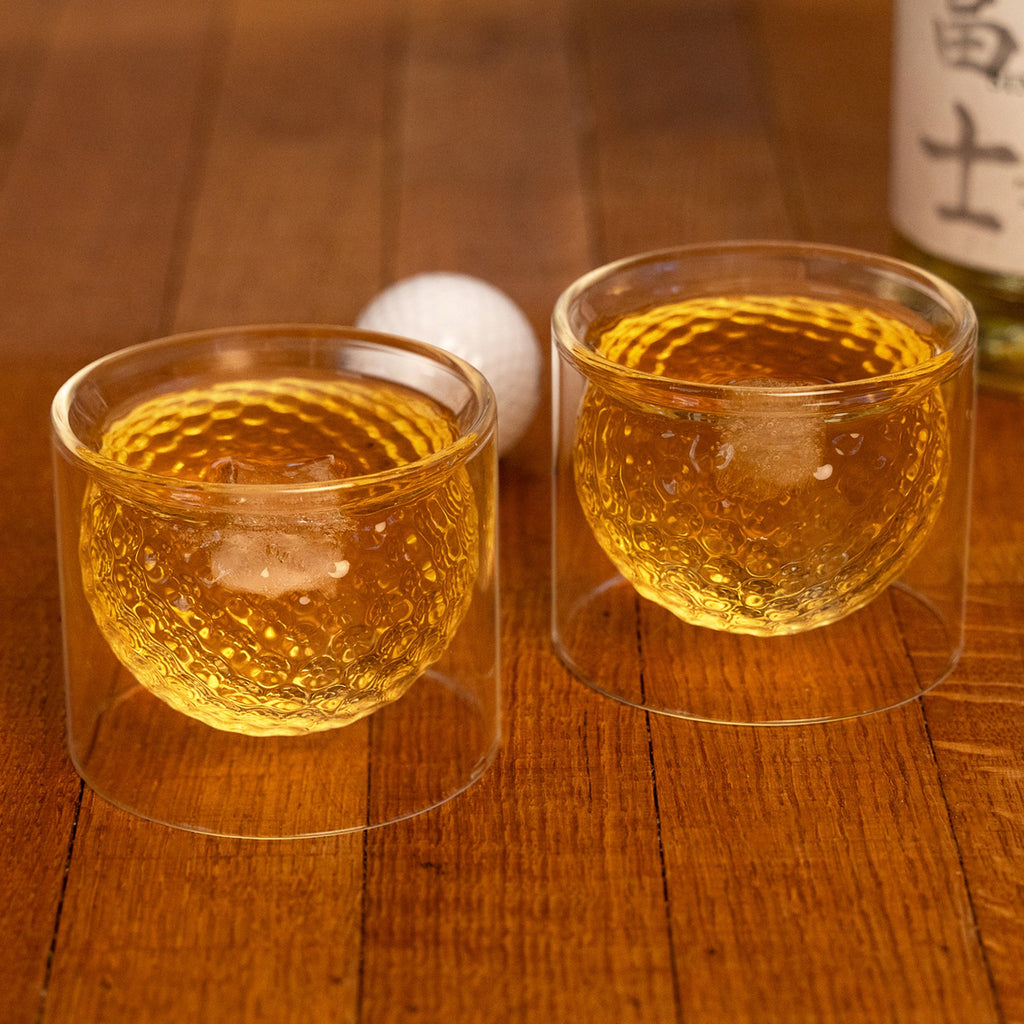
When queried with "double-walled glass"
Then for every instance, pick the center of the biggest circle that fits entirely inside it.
(278, 566)
(762, 461)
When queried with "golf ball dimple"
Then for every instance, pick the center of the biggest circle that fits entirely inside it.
(476, 321)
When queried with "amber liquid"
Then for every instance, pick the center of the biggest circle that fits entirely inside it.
(272, 616)
(752, 515)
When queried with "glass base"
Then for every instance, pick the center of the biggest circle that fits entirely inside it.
(628, 648)
(406, 758)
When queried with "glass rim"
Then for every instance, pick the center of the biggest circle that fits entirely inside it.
(960, 346)
(471, 438)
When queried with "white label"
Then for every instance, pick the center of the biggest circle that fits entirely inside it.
(957, 187)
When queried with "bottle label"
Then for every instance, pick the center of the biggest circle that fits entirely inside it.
(957, 186)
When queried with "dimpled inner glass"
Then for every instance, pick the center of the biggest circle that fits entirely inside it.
(760, 517)
(266, 621)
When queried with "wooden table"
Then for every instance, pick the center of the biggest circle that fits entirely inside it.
(193, 163)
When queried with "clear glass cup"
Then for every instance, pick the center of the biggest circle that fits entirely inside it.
(762, 469)
(278, 567)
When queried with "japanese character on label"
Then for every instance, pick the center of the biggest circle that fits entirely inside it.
(968, 151)
(982, 46)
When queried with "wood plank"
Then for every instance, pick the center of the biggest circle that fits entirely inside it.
(679, 151)
(484, 177)
(791, 863)
(174, 166)
(817, 862)
(87, 199)
(969, 716)
(24, 36)
(282, 222)
(839, 151)
(540, 892)
(86, 232)
(287, 225)
(542, 897)
(973, 719)
(164, 925)
(486, 173)
(826, 71)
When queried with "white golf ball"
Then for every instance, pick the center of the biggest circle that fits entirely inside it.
(476, 321)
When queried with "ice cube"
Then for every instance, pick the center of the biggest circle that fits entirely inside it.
(766, 450)
(230, 470)
(274, 562)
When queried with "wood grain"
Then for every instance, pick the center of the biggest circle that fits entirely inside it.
(86, 235)
(172, 166)
(808, 879)
(285, 218)
(681, 146)
(973, 718)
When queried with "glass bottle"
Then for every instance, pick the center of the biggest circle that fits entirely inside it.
(957, 181)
